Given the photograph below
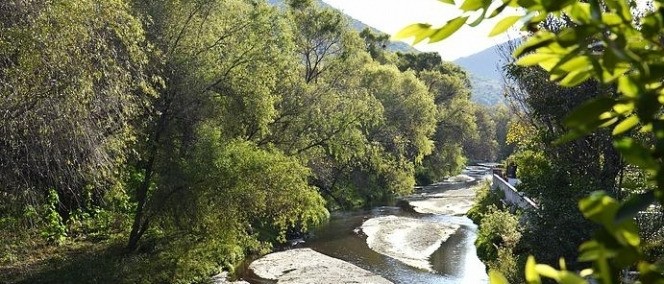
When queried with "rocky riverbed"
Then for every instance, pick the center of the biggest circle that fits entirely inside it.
(425, 240)
(308, 266)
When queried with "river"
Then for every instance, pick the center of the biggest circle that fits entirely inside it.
(455, 261)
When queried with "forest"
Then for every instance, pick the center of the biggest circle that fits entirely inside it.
(161, 141)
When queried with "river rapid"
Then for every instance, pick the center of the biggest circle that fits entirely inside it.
(425, 238)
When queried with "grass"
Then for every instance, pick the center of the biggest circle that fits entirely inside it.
(31, 260)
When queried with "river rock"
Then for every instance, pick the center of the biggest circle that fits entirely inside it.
(451, 202)
(222, 278)
(305, 265)
(409, 240)
(461, 178)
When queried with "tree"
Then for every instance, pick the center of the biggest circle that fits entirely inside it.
(449, 85)
(220, 61)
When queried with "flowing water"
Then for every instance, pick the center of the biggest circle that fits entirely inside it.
(454, 262)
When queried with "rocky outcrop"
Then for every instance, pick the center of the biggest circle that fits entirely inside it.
(409, 240)
(308, 266)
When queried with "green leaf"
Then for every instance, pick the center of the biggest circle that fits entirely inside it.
(576, 63)
(568, 277)
(633, 205)
(580, 11)
(503, 25)
(473, 5)
(448, 29)
(535, 42)
(575, 78)
(496, 277)
(532, 277)
(599, 207)
(556, 5)
(547, 271)
(626, 125)
(636, 154)
(586, 116)
(628, 87)
(499, 10)
(419, 31)
(535, 58)
(447, 1)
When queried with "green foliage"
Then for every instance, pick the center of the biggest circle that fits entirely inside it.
(200, 132)
(54, 230)
(485, 199)
(604, 42)
(498, 234)
(533, 168)
(497, 239)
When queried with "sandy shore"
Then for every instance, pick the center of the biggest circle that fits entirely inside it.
(308, 266)
(409, 240)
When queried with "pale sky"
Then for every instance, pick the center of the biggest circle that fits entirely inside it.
(390, 16)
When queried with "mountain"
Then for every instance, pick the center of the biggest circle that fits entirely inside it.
(394, 46)
(485, 69)
(485, 63)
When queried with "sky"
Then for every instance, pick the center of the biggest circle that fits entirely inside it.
(390, 16)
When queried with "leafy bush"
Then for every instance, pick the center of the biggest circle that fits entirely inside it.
(54, 231)
(484, 199)
(497, 239)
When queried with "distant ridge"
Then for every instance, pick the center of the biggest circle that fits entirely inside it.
(486, 63)
(486, 75)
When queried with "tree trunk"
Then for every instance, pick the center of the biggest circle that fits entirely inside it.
(140, 221)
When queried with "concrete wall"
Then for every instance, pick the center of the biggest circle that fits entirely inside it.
(512, 196)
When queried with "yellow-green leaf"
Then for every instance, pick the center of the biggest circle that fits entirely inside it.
(504, 24)
(535, 42)
(473, 5)
(547, 271)
(568, 277)
(448, 29)
(535, 58)
(419, 31)
(624, 108)
(628, 87)
(496, 277)
(532, 277)
(626, 125)
(575, 78)
(447, 1)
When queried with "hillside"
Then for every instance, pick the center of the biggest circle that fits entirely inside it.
(394, 46)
